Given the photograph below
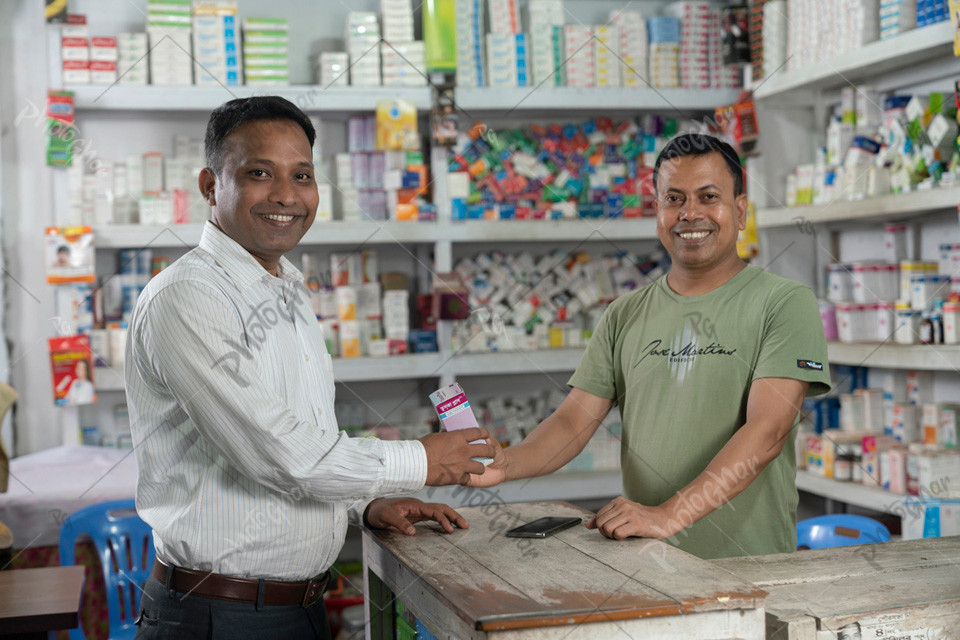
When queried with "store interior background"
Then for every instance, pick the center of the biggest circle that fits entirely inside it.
(790, 128)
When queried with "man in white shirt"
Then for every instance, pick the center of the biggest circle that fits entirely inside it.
(243, 474)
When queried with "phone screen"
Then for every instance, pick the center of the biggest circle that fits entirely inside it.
(543, 527)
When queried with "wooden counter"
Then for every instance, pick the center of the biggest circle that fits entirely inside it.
(34, 601)
(892, 591)
(477, 583)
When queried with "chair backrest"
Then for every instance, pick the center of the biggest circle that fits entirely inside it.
(124, 543)
(839, 530)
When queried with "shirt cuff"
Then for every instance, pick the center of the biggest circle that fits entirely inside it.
(404, 466)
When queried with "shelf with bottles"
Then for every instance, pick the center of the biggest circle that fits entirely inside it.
(894, 206)
(927, 357)
(864, 64)
(515, 101)
(851, 493)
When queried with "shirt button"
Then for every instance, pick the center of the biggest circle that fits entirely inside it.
(319, 411)
(306, 357)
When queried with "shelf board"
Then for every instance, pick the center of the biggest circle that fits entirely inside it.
(310, 98)
(360, 232)
(580, 229)
(504, 362)
(928, 357)
(866, 63)
(414, 365)
(893, 206)
(506, 101)
(851, 493)
(563, 485)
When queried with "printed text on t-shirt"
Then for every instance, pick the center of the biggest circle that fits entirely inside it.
(689, 350)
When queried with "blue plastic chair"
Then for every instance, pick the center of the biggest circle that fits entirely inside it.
(839, 530)
(124, 543)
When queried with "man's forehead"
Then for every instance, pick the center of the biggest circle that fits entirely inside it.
(705, 169)
(246, 139)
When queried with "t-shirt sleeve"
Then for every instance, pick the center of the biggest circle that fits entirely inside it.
(595, 373)
(793, 344)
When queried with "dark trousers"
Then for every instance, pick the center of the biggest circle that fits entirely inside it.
(165, 613)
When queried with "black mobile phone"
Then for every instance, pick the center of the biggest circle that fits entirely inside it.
(542, 527)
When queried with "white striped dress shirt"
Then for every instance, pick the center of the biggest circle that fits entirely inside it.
(242, 469)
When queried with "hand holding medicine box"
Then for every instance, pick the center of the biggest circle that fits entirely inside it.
(455, 413)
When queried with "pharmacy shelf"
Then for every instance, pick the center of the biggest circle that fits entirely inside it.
(563, 485)
(312, 99)
(926, 357)
(580, 229)
(508, 101)
(504, 362)
(335, 233)
(853, 493)
(893, 206)
(865, 64)
(412, 366)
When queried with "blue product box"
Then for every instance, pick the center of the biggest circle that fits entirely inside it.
(475, 211)
(423, 340)
(410, 180)
(507, 211)
(591, 210)
(615, 205)
(458, 209)
(569, 131)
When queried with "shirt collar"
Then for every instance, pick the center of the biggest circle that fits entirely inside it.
(240, 266)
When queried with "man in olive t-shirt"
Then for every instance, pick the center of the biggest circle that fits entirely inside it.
(709, 366)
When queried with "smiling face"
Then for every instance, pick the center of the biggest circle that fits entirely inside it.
(265, 197)
(698, 216)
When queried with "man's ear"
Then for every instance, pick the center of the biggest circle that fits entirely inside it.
(207, 183)
(742, 206)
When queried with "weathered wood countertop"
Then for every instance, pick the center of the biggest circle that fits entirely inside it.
(478, 583)
(907, 590)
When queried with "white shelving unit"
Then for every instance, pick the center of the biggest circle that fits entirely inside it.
(927, 357)
(514, 101)
(851, 493)
(865, 64)
(392, 232)
(889, 207)
(312, 99)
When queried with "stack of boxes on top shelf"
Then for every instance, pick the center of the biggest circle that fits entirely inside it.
(470, 50)
(697, 31)
(363, 47)
(773, 51)
(595, 169)
(893, 436)
(86, 59)
(169, 33)
(664, 33)
(266, 44)
(508, 58)
(380, 185)
(818, 30)
(404, 59)
(546, 42)
(522, 303)
(633, 47)
(216, 44)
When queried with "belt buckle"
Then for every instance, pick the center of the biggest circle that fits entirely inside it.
(315, 589)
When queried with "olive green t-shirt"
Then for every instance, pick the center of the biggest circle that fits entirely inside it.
(680, 369)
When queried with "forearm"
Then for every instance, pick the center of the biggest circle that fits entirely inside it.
(554, 443)
(730, 472)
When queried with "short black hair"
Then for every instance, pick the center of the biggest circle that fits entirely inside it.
(700, 144)
(234, 113)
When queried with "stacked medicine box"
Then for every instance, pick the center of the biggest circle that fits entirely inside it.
(695, 32)
(579, 52)
(508, 60)
(75, 53)
(896, 17)
(470, 58)
(363, 47)
(266, 42)
(633, 47)
(404, 59)
(664, 34)
(169, 32)
(546, 43)
(607, 55)
(216, 45)
(132, 65)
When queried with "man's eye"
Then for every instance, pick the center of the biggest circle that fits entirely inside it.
(304, 176)
(258, 173)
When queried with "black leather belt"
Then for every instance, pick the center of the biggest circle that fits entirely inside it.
(221, 587)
